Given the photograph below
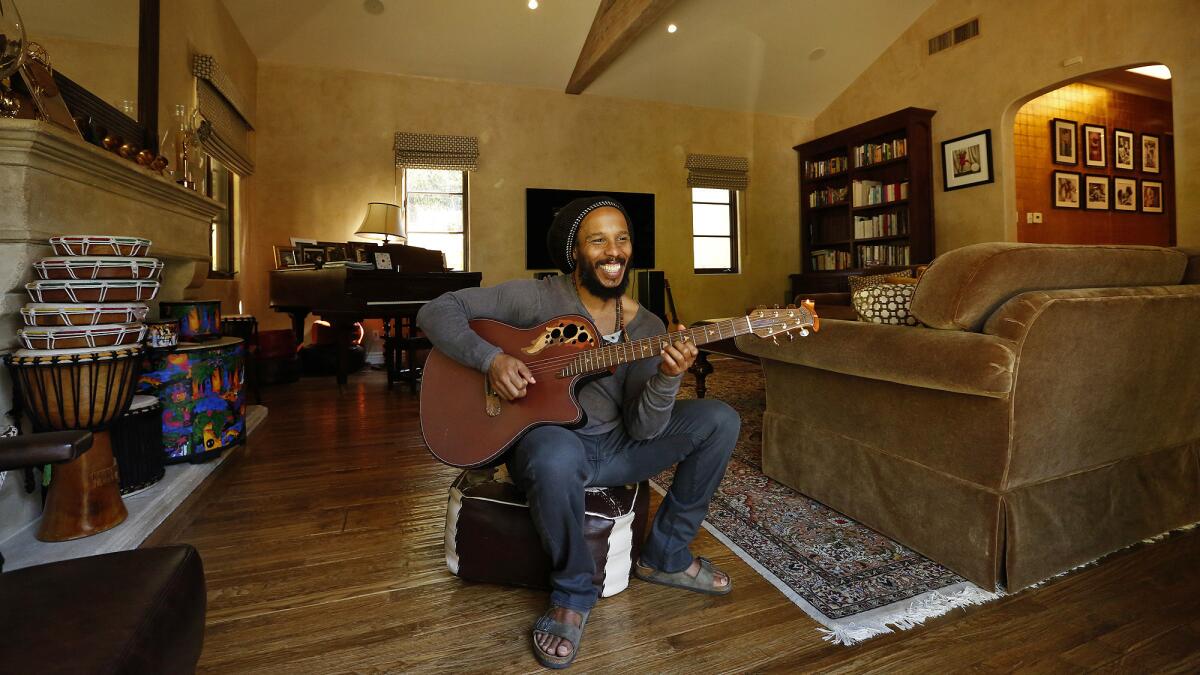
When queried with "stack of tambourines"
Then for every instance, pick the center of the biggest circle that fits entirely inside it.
(90, 295)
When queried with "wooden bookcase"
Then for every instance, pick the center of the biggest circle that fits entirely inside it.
(890, 232)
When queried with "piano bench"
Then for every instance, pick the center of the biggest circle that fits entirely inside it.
(491, 538)
(394, 347)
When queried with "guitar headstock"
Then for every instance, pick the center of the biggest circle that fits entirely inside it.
(776, 321)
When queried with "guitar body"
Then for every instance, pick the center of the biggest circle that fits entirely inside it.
(466, 425)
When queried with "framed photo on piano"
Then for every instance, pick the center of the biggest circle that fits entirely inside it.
(383, 260)
(285, 256)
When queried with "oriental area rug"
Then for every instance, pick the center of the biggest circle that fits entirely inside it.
(852, 580)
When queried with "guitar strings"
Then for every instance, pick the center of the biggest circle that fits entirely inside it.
(558, 362)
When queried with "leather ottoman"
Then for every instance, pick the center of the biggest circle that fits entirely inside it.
(139, 611)
(490, 536)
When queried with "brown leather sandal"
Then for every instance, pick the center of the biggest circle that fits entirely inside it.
(551, 626)
(704, 581)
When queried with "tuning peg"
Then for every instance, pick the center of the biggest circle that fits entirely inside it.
(775, 307)
(775, 339)
(761, 307)
(803, 332)
(791, 337)
(790, 307)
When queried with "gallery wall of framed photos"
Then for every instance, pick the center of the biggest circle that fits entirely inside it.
(1098, 165)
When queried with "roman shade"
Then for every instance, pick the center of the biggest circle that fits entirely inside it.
(721, 172)
(226, 126)
(430, 151)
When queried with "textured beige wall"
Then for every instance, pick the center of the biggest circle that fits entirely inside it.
(1018, 55)
(325, 150)
(190, 27)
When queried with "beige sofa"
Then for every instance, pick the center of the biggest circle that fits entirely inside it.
(1047, 413)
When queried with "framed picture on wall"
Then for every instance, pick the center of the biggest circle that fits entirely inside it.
(967, 160)
(1124, 194)
(1151, 158)
(1065, 185)
(1062, 141)
(312, 255)
(1094, 146)
(1152, 196)
(1095, 193)
(333, 250)
(1122, 149)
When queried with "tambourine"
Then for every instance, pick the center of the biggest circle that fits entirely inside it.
(78, 337)
(92, 267)
(116, 290)
(83, 244)
(54, 314)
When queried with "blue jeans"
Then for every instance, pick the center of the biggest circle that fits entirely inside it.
(553, 465)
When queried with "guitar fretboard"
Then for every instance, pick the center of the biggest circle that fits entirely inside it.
(602, 358)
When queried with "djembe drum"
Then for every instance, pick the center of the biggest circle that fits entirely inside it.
(137, 442)
(79, 389)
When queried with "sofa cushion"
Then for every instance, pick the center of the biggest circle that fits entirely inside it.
(964, 286)
(1192, 274)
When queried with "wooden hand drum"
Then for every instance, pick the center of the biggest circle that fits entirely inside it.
(79, 389)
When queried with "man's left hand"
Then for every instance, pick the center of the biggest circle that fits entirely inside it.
(678, 356)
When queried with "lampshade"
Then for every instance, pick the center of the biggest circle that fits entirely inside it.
(383, 221)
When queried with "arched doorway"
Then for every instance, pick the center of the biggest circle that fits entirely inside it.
(1094, 162)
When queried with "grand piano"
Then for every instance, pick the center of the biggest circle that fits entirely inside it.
(344, 295)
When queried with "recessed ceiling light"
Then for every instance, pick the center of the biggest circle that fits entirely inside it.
(1160, 71)
(816, 54)
(533, 4)
(373, 7)
(671, 28)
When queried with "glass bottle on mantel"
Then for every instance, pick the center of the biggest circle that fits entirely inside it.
(177, 142)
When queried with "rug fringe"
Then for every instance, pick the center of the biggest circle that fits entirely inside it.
(926, 607)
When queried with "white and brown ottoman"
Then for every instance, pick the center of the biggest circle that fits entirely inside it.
(490, 536)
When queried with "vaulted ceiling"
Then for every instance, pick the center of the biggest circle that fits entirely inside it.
(788, 57)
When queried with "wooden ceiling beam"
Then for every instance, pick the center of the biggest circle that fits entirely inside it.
(617, 24)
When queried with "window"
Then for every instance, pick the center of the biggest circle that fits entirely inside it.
(714, 231)
(436, 214)
(221, 184)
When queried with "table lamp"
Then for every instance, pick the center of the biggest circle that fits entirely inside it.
(383, 221)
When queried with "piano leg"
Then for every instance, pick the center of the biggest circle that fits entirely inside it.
(389, 356)
(298, 317)
(342, 330)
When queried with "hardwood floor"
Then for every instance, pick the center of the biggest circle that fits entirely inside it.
(323, 553)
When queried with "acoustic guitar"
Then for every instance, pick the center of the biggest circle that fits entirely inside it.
(467, 424)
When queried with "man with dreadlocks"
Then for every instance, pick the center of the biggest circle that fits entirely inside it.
(635, 428)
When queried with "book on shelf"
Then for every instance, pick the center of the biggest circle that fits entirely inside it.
(826, 167)
(828, 259)
(883, 254)
(881, 225)
(873, 192)
(873, 153)
(828, 195)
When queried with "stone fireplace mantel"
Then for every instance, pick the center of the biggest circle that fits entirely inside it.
(53, 183)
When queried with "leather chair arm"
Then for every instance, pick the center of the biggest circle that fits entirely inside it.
(19, 452)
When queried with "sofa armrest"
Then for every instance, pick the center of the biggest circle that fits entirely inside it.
(52, 447)
(957, 361)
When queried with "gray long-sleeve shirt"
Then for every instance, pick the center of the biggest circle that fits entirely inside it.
(637, 395)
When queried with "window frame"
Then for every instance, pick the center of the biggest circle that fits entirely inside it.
(735, 264)
(231, 212)
(466, 223)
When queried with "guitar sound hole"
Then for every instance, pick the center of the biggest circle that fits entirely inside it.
(583, 336)
(570, 330)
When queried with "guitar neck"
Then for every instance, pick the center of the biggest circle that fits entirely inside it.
(603, 358)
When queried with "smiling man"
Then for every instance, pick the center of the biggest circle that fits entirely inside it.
(635, 428)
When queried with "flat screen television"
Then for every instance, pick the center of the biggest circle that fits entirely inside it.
(542, 203)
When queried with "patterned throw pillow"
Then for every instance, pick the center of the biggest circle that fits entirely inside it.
(884, 298)
(885, 303)
(867, 280)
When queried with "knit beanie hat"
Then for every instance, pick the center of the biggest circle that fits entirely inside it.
(560, 239)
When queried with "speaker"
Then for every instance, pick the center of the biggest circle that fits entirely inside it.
(651, 292)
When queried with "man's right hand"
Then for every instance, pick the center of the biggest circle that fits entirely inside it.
(509, 377)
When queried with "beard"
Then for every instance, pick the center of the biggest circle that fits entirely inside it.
(590, 277)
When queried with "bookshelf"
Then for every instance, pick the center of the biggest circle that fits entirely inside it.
(866, 200)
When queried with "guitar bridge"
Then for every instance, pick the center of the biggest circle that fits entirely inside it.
(491, 400)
